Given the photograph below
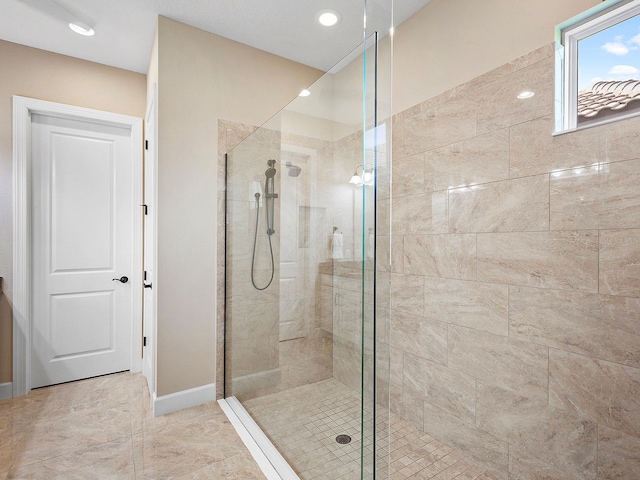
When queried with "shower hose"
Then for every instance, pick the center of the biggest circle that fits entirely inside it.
(255, 241)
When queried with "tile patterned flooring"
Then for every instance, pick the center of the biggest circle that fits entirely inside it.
(103, 428)
(303, 422)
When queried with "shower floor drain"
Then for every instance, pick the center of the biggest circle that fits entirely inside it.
(343, 439)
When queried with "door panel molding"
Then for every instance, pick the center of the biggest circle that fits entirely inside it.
(23, 108)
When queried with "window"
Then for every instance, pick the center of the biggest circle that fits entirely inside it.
(598, 65)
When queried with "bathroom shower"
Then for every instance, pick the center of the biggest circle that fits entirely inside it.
(270, 196)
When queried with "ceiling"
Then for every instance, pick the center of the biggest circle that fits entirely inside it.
(125, 28)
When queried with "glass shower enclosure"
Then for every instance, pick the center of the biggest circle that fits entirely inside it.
(307, 274)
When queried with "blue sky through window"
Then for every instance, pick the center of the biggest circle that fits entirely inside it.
(612, 54)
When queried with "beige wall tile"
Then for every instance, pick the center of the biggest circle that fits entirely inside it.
(534, 150)
(618, 455)
(408, 175)
(508, 206)
(523, 466)
(620, 262)
(407, 293)
(424, 213)
(605, 392)
(556, 436)
(480, 159)
(408, 406)
(419, 336)
(481, 446)
(452, 391)
(479, 305)
(435, 126)
(396, 368)
(498, 105)
(623, 140)
(562, 260)
(449, 256)
(596, 197)
(499, 360)
(601, 326)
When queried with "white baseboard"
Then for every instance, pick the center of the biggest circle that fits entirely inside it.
(184, 399)
(6, 390)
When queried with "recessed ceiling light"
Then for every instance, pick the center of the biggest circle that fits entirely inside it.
(328, 17)
(526, 94)
(82, 29)
(304, 93)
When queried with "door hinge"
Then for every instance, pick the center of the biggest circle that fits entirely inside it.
(144, 341)
(146, 209)
(146, 144)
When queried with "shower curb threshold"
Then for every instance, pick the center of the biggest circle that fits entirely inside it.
(266, 455)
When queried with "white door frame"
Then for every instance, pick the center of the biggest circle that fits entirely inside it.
(22, 235)
(151, 164)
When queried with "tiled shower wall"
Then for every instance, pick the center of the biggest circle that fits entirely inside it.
(280, 337)
(515, 302)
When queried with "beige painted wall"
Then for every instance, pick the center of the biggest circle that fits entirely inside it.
(201, 78)
(30, 72)
(449, 42)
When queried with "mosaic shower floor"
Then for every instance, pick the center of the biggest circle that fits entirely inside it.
(303, 423)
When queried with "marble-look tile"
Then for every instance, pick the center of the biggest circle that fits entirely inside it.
(498, 105)
(499, 360)
(603, 196)
(408, 175)
(106, 461)
(419, 336)
(561, 260)
(396, 367)
(523, 466)
(534, 150)
(484, 448)
(407, 406)
(407, 293)
(448, 122)
(452, 391)
(448, 256)
(397, 254)
(601, 326)
(233, 467)
(509, 206)
(480, 159)
(618, 455)
(420, 214)
(623, 139)
(64, 433)
(559, 437)
(479, 305)
(605, 392)
(620, 262)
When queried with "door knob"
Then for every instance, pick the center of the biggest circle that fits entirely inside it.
(147, 286)
(121, 279)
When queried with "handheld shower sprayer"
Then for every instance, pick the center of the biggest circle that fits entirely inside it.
(270, 196)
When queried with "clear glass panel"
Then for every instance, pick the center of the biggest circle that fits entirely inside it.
(302, 273)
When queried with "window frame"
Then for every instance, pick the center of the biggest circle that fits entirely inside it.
(568, 34)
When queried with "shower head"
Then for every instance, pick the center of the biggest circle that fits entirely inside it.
(294, 170)
(270, 172)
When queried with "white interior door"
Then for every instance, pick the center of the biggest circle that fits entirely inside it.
(82, 221)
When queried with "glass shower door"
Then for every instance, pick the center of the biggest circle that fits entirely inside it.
(306, 346)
